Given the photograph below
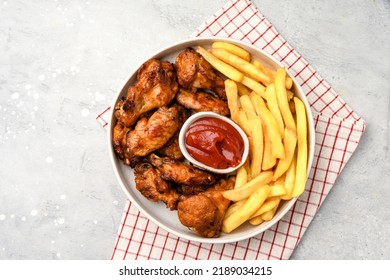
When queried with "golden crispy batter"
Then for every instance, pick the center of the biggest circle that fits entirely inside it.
(185, 190)
(119, 143)
(198, 212)
(179, 172)
(204, 212)
(194, 72)
(202, 101)
(153, 133)
(171, 148)
(119, 139)
(149, 182)
(156, 87)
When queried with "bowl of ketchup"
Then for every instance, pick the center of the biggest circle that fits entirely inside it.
(213, 142)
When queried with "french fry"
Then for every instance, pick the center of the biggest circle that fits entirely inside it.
(270, 125)
(269, 204)
(277, 188)
(242, 90)
(289, 182)
(277, 191)
(291, 104)
(290, 95)
(269, 160)
(267, 216)
(224, 68)
(256, 221)
(290, 142)
(232, 98)
(243, 122)
(289, 83)
(258, 146)
(280, 79)
(247, 167)
(243, 213)
(244, 66)
(233, 207)
(272, 103)
(241, 177)
(232, 49)
(300, 178)
(253, 85)
(264, 69)
(271, 73)
(246, 190)
(247, 105)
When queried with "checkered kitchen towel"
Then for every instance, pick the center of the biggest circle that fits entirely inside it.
(338, 131)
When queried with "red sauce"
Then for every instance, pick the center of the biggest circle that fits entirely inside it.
(214, 142)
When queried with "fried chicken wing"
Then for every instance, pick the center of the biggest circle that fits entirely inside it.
(194, 72)
(172, 148)
(153, 133)
(149, 182)
(119, 139)
(119, 143)
(179, 172)
(156, 87)
(205, 211)
(185, 190)
(202, 101)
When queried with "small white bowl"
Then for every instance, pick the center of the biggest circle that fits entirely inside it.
(201, 165)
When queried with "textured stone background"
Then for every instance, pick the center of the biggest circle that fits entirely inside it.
(62, 62)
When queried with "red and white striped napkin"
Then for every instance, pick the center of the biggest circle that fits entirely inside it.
(338, 131)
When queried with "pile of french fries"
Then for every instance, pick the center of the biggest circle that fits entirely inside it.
(262, 104)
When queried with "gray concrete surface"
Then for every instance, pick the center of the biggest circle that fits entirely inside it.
(62, 62)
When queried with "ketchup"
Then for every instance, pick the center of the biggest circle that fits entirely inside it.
(214, 142)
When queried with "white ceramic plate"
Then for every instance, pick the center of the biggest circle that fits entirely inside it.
(157, 211)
